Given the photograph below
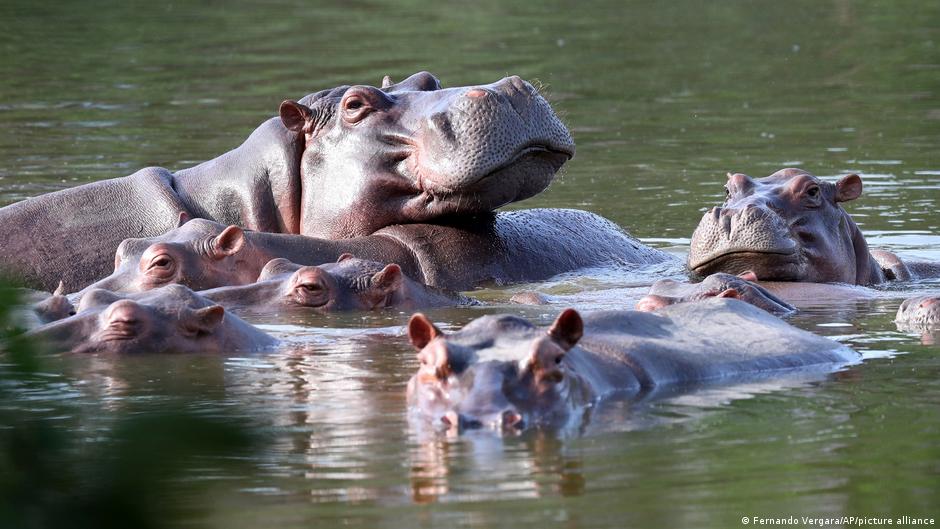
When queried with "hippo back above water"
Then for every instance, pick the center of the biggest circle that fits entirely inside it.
(338, 163)
(504, 372)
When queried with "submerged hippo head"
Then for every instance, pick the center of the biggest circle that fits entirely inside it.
(170, 319)
(498, 371)
(413, 151)
(348, 284)
(667, 292)
(199, 254)
(788, 226)
(920, 312)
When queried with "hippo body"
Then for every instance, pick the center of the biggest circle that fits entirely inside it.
(348, 284)
(526, 245)
(669, 292)
(502, 371)
(171, 319)
(338, 163)
(790, 226)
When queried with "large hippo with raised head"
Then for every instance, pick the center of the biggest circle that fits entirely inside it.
(790, 226)
(338, 163)
(504, 372)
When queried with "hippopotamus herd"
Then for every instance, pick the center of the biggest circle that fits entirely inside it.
(365, 198)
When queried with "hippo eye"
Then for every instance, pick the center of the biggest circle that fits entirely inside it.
(727, 192)
(311, 287)
(160, 266)
(813, 192)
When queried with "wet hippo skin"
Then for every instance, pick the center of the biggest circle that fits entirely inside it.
(338, 163)
(348, 284)
(171, 319)
(526, 245)
(790, 226)
(503, 372)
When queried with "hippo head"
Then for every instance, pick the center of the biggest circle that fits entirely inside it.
(667, 292)
(413, 151)
(348, 284)
(498, 371)
(199, 253)
(170, 319)
(788, 226)
(919, 312)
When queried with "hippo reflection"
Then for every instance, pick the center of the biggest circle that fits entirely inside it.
(502, 371)
(172, 319)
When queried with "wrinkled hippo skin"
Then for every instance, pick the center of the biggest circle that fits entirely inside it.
(348, 284)
(667, 292)
(790, 226)
(526, 245)
(503, 372)
(343, 162)
(172, 319)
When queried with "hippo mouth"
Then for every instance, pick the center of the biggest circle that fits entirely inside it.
(781, 265)
(525, 174)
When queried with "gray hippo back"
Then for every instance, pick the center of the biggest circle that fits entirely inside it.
(502, 371)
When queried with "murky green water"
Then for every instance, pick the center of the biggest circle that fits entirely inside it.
(662, 98)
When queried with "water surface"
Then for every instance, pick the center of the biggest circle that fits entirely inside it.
(662, 99)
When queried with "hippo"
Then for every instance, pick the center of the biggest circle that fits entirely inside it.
(669, 292)
(790, 226)
(171, 319)
(502, 248)
(505, 373)
(339, 163)
(921, 314)
(347, 284)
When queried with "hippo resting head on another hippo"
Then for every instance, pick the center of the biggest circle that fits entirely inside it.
(788, 226)
(413, 151)
(348, 284)
(170, 319)
(504, 372)
(338, 163)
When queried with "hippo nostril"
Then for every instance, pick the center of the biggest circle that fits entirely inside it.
(477, 93)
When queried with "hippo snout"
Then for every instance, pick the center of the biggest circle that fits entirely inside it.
(507, 419)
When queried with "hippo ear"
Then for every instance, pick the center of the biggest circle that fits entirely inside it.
(652, 302)
(848, 188)
(59, 290)
(182, 219)
(729, 293)
(386, 82)
(205, 320)
(294, 116)
(229, 242)
(344, 256)
(389, 279)
(567, 329)
(421, 331)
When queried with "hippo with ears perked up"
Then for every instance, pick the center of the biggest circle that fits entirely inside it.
(338, 163)
(503, 372)
(790, 227)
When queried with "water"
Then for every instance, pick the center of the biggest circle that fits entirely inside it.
(663, 99)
